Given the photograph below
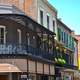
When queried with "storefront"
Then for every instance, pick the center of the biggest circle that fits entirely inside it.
(23, 69)
(68, 75)
(65, 73)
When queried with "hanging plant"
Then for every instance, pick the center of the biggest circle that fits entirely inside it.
(60, 60)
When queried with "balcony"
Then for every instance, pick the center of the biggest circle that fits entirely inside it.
(70, 66)
(12, 49)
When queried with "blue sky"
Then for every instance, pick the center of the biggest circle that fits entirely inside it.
(69, 12)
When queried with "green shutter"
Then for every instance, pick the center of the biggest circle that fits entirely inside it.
(59, 34)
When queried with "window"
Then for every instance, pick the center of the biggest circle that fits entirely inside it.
(53, 25)
(59, 34)
(28, 39)
(2, 35)
(47, 21)
(19, 36)
(41, 17)
(66, 39)
(62, 36)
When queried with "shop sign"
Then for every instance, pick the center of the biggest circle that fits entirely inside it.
(68, 77)
(24, 77)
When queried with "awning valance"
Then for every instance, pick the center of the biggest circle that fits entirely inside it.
(4, 67)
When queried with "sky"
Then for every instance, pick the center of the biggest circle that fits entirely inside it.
(69, 12)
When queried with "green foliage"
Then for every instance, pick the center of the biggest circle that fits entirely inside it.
(60, 60)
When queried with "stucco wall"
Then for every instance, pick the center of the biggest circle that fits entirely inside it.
(47, 11)
(22, 65)
(78, 38)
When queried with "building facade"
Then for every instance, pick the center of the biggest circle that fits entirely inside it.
(66, 52)
(78, 38)
(39, 10)
(23, 49)
(26, 47)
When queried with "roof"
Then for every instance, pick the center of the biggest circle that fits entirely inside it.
(50, 32)
(64, 25)
(30, 19)
(77, 35)
(51, 6)
(75, 39)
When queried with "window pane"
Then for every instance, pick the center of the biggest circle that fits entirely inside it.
(1, 35)
(41, 17)
(53, 25)
(59, 34)
(47, 21)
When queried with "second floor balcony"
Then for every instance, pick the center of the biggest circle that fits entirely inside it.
(24, 50)
(20, 35)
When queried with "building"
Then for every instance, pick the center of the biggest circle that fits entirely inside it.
(39, 10)
(77, 73)
(26, 47)
(65, 52)
(78, 38)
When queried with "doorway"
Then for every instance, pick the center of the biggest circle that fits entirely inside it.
(45, 77)
(42, 77)
(3, 77)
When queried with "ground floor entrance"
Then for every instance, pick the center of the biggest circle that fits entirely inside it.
(42, 77)
(45, 77)
(26, 69)
(3, 77)
(25, 76)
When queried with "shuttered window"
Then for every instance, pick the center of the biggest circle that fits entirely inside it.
(59, 34)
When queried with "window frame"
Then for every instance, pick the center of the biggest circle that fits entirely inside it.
(19, 36)
(53, 21)
(48, 20)
(41, 17)
(1, 26)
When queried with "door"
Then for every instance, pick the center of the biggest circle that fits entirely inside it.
(3, 77)
(45, 77)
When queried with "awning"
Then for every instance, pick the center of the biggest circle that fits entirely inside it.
(4, 67)
(70, 70)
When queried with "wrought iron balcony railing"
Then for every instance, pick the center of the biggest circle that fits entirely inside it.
(24, 50)
(70, 66)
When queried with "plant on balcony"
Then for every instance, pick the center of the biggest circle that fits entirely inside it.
(60, 61)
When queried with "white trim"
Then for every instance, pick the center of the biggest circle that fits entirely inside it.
(1, 26)
(48, 14)
(54, 29)
(19, 36)
(49, 20)
(40, 9)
